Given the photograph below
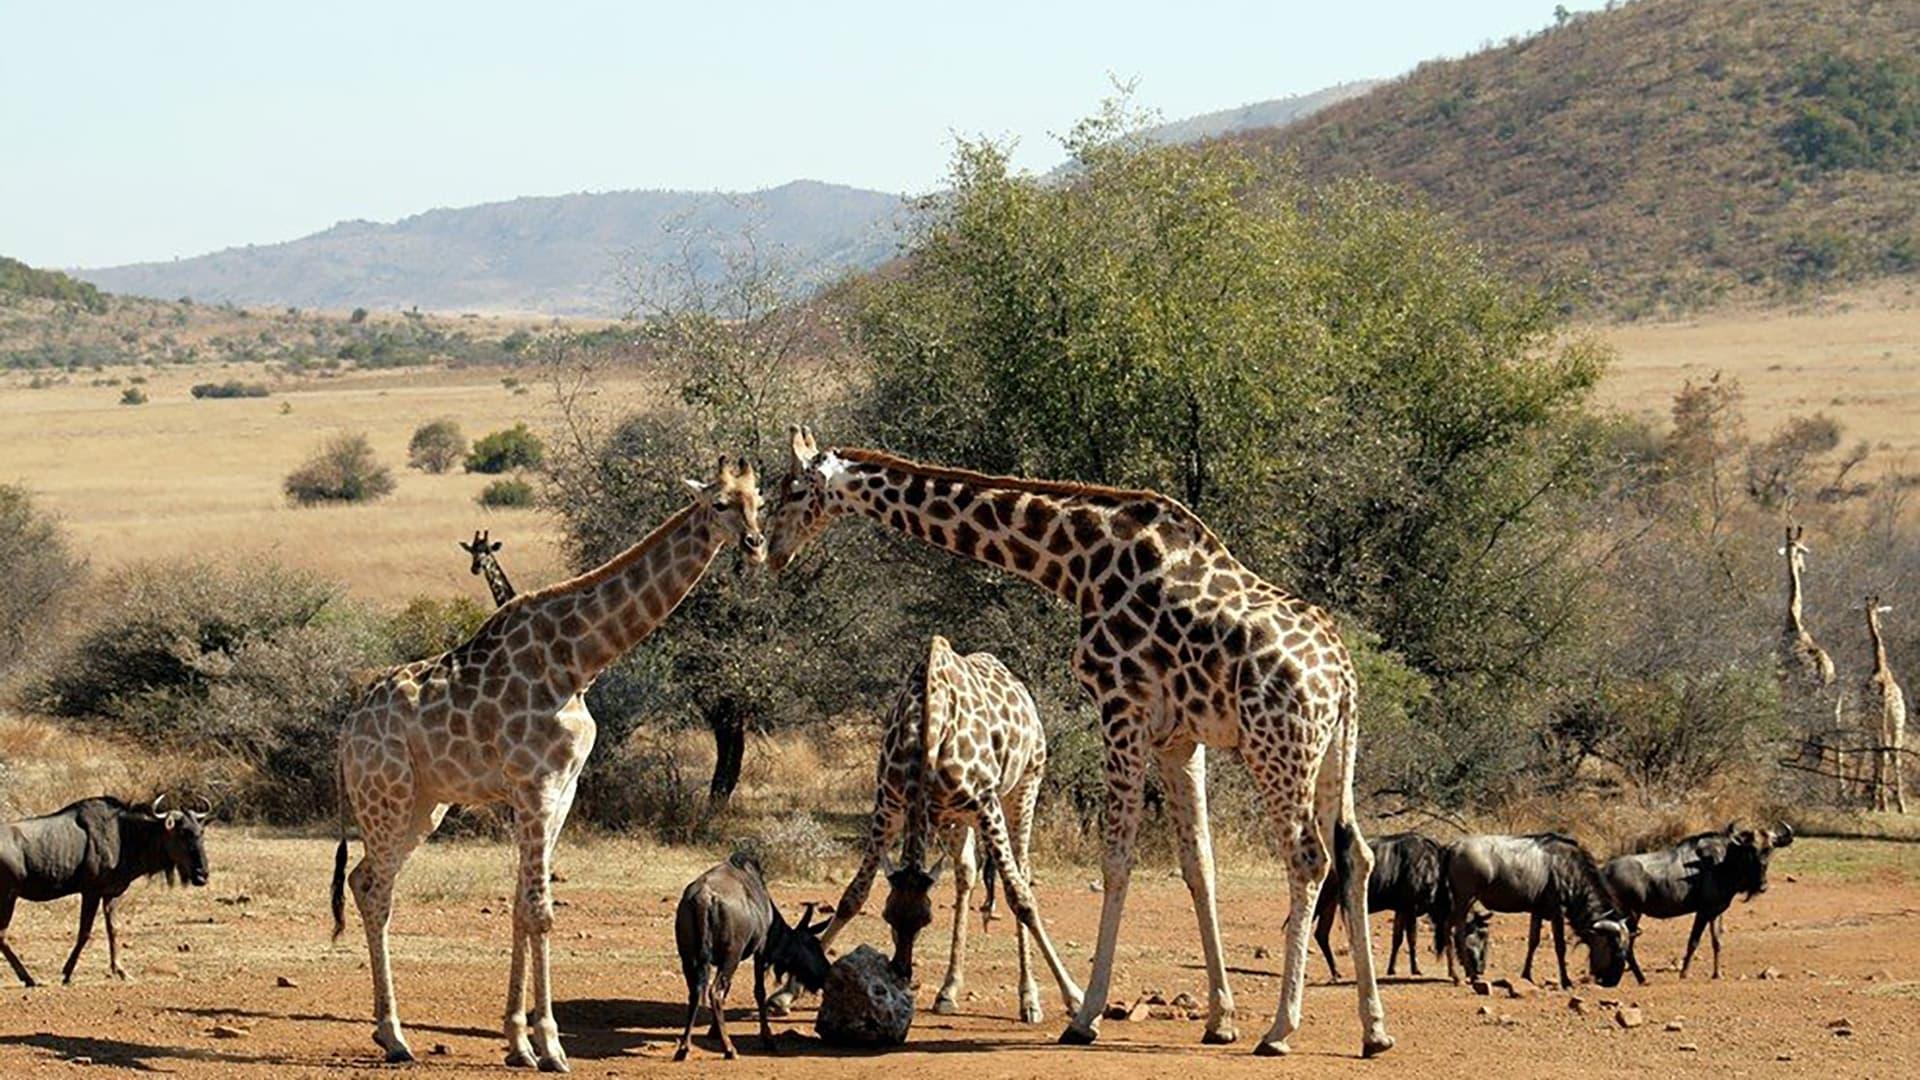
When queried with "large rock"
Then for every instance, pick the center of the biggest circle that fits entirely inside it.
(864, 1004)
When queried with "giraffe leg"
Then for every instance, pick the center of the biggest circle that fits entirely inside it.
(1019, 812)
(966, 868)
(993, 832)
(1126, 769)
(538, 815)
(1305, 852)
(391, 826)
(888, 820)
(1183, 773)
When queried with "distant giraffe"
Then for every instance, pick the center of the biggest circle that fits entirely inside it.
(962, 752)
(1182, 647)
(485, 552)
(1802, 661)
(497, 719)
(1889, 772)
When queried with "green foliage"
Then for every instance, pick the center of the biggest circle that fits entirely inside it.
(232, 388)
(1855, 113)
(19, 279)
(430, 625)
(344, 470)
(510, 448)
(508, 493)
(133, 395)
(38, 571)
(436, 446)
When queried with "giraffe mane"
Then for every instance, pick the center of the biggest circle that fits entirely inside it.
(1070, 489)
(615, 565)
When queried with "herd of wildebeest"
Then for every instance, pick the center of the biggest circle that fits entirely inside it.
(1181, 648)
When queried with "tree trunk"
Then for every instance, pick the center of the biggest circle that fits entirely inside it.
(729, 749)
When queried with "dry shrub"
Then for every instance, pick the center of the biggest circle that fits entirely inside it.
(44, 766)
(37, 572)
(344, 470)
(793, 847)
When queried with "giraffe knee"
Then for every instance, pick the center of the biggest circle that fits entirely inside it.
(536, 911)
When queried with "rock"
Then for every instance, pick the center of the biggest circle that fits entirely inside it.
(1508, 1020)
(1117, 1010)
(185, 946)
(1578, 1004)
(1155, 997)
(81, 1060)
(1260, 952)
(1141, 1010)
(864, 1004)
(1688, 1048)
(1094, 886)
(1609, 1003)
(1841, 1032)
(1784, 1055)
(1676, 1025)
(229, 1031)
(1629, 1016)
(1486, 1010)
(285, 983)
(1514, 989)
(1769, 973)
(1184, 1000)
(440, 1050)
(1482, 987)
(1839, 1022)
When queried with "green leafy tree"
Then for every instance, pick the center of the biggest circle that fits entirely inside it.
(509, 448)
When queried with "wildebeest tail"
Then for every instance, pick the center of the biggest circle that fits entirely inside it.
(1343, 838)
(1442, 909)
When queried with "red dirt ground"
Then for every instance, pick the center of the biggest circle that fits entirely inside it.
(1840, 929)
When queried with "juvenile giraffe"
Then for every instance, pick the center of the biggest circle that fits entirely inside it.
(498, 719)
(1182, 648)
(486, 563)
(1888, 767)
(963, 734)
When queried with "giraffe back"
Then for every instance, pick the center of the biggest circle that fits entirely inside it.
(961, 728)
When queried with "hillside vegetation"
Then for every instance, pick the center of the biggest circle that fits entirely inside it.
(1664, 154)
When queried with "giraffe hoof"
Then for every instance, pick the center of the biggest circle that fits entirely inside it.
(1219, 1036)
(944, 1006)
(1375, 1046)
(554, 1065)
(399, 1055)
(1272, 1048)
(521, 1057)
(1031, 1013)
(780, 1004)
(1075, 1035)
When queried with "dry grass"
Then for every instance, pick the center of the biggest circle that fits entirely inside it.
(44, 766)
(186, 477)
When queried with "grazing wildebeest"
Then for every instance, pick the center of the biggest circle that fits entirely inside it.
(1550, 877)
(1699, 876)
(1409, 879)
(98, 848)
(725, 915)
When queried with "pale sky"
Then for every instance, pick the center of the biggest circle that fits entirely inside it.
(132, 130)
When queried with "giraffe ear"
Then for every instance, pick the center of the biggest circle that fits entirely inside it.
(698, 488)
(802, 445)
(495, 546)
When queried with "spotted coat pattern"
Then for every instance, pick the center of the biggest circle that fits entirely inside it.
(498, 720)
(1884, 695)
(1181, 647)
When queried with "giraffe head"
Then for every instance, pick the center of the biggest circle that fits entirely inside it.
(482, 549)
(731, 501)
(1794, 551)
(909, 909)
(801, 508)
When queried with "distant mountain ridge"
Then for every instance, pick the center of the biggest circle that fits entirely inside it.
(560, 254)
(1276, 113)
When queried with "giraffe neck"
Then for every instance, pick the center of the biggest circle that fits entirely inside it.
(606, 611)
(1879, 643)
(1065, 539)
(497, 582)
(1795, 624)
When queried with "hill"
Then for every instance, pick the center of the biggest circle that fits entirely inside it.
(1665, 154)
(1275, 113)
(560, 255)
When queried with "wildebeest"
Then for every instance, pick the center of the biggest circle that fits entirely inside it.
(725, 915)
(1699, 876)
(1408, 879)
(98, 848)
(1549, 876)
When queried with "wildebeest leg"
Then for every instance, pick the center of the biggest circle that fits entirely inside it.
(89, 907)
(1183, 774)
(1713, 928)
(1633, 949)
(1533, 942)
(1700, 921)
(696, 990)
(1323, 933)
(1402, 931)
(760, 1000)
(6, 919)
(966, 868)
(1560, 949)
(717, 1002)
(1413, 943)
(883, 829)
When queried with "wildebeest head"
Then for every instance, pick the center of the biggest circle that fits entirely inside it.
(909, 910)
(183, 834)
(1607, 947)
(796, 950)
(1748, 852)
(1473, 942)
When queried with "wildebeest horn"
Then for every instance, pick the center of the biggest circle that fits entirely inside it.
(1783, 835)
(208, 811)
(159, 801)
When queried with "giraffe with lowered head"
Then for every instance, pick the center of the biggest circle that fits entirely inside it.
(1889, 774)
(1182, 648)
(497, 719)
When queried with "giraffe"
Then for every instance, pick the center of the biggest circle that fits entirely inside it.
(962, 743)
(485, 552)
(1888, 766)
(1182, 648)
(1805, 670)
(497, 719)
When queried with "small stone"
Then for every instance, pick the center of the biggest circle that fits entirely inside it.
(1486, 1010)
(440, 1050)
(1688, 1048)
(1165, 1012)
(1260, 952)
(1810, 973)
(559, 903)
(1482, 987)
(1784, 1055)
(1117, 1010)
(81, 1060)
(285, 983)
(1609, 1003)
(1793, 879)
(1507, 1020)
(185, 946)
(1769, 973)
(1155, 997)
(1521, 989)
(486, 911)
(1140, 1010)
(1578, 1004)
(557, 877)
(1629, 1016)
(1184, 1000)
(1839, 1022)
(1676, 1025)
(229, 1031)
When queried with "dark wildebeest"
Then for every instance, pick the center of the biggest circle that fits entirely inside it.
(1699, 876)
(1409, 879)
(1548, 876)
(725, 915)
(98, 848)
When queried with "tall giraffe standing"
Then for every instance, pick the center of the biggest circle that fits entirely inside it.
(962, 753)
(1805, 670)
(1182, 648)
(497, 720)
(1889, 774)
(486, 563)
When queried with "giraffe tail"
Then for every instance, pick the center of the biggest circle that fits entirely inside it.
(936, 718)
(339, 895)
